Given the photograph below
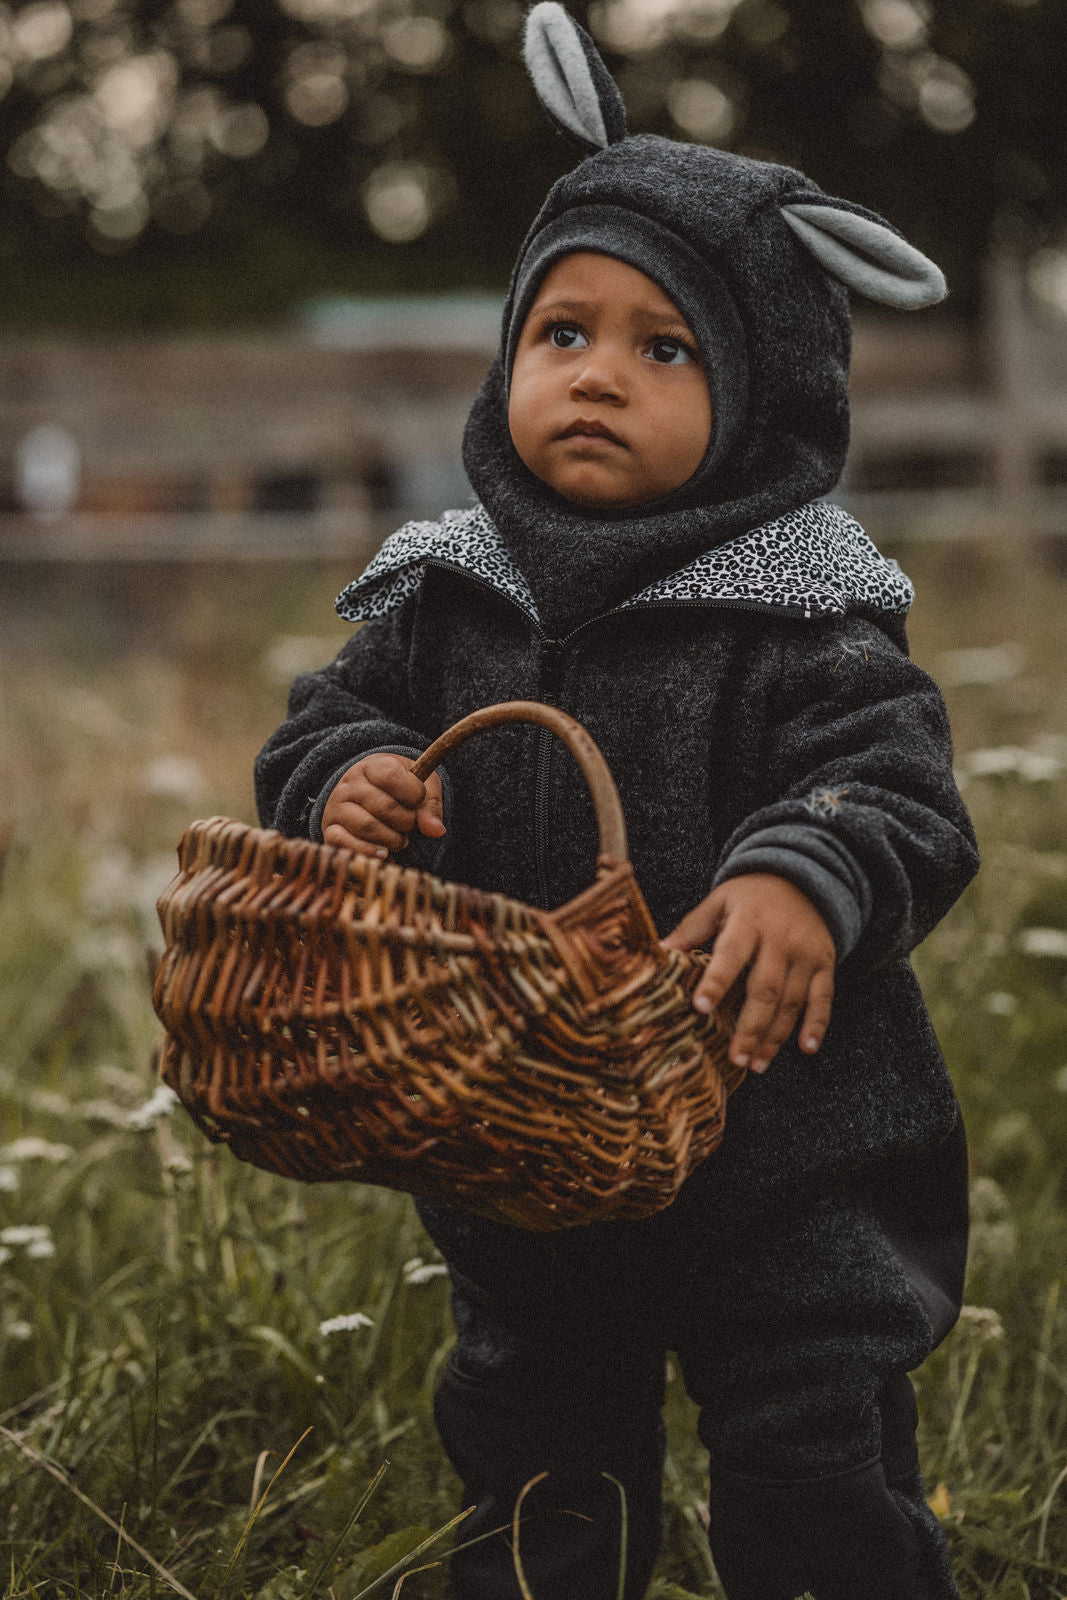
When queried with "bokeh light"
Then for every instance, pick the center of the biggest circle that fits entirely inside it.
(632, 26)
(401, 199)
(419, 44)
(702, 110)
(42, 29)
(900, 24)
(1047, 277)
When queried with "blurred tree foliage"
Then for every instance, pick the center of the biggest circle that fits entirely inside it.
(176, 162)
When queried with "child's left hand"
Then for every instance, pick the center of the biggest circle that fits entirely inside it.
(762, 923)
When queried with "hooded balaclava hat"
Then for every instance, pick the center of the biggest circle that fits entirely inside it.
(756, 258)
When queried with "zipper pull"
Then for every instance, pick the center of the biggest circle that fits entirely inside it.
(550, 666)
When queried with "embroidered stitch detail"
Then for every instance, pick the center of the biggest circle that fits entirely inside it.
(824, 802)
(856, 649)
(816, 559)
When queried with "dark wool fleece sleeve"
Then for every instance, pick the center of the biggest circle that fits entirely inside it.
(352, 708)
(866, 818)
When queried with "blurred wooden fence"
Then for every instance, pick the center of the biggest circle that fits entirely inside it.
(319, 442)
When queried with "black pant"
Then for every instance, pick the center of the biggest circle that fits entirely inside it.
(795, 1343)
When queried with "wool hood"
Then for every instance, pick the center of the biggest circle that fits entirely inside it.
(757, 258)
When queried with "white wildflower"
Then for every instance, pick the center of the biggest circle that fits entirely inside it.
(174, 777)
(91, 712)
(109, 885)
(178, 1164)
(294, 653)
(5, 1254)
(121, 1080)
(1012, 1134)
(26, 1233)
(33, 1149)
(140, 1117)
(417, 1271)
(1044, 942)
(345, 1324)
(9, 1180)
(160, 1104)
(18, 1329)
(104, 1111)
(50, 1101)
(117, 883)
(988, 1198)
(109, 950)
(994, 1240)
(982, 1321)
(1000, 1004)
(992, 664)
(40, 1249)
(1038, 765)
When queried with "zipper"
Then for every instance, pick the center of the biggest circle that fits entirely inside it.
(550, 672)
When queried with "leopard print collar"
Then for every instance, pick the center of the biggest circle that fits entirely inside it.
(812, 562)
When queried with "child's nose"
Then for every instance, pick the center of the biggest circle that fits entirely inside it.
(600, 378)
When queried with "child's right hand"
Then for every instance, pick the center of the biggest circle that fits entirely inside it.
(377, 802)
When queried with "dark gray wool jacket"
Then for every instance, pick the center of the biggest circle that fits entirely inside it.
(759, 712)
(737, 648)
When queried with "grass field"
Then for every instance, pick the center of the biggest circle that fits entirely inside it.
(177, 1413)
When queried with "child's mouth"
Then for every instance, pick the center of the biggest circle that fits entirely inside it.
(583, 429)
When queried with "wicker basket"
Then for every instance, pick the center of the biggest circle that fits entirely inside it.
(333, 1016)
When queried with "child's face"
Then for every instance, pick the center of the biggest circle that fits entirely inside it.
(609, 405)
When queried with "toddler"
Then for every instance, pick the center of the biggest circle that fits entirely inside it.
(649, 551)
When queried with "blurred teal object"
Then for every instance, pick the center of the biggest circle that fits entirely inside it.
(462, 321)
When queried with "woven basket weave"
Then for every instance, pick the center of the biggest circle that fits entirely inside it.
(333, 1016)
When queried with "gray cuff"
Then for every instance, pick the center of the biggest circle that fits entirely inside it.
(421, 851)
(817, 864)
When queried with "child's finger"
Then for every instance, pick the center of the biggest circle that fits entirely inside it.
(431, 818)
(696, 927)
(393, 793)
(333, 833)
(763, 995)
(733, 951)
(392, 775)
(817, 1016)
(359, 823)
(790, 1004)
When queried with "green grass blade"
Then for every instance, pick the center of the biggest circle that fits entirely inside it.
(327, 1561)
(404, 1576)
(622, 1532)
(524, 1587)
(250, 1524)
(399, 1566)
(47, 1466)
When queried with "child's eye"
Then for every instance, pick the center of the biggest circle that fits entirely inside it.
(566, 336)
(671, 352)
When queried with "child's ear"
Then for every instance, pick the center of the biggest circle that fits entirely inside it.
(572, 82)
(866, 255)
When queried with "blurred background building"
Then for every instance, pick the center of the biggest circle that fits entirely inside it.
(254, 251)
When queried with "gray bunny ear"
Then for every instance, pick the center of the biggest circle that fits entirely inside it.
(572, 82)
(867, 256)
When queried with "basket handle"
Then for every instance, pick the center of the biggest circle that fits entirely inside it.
(610, 822)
